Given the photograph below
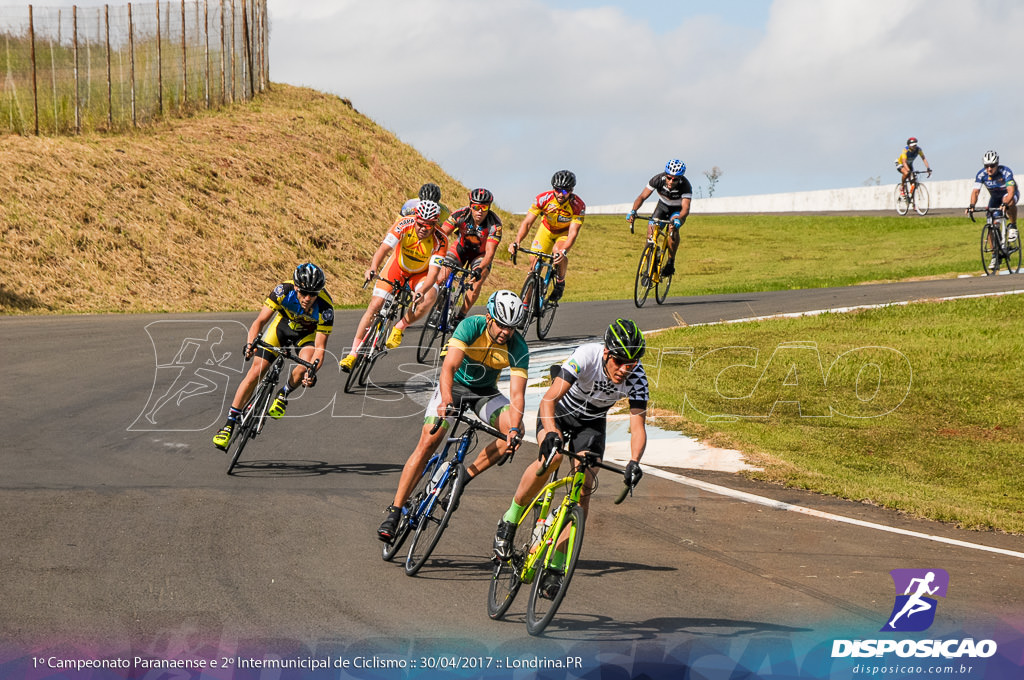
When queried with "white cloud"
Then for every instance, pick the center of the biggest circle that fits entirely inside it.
(822, 95)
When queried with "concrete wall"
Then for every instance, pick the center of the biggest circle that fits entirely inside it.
(945, 194)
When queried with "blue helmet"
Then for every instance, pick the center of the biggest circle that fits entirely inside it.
(308, 278)
(675, 167)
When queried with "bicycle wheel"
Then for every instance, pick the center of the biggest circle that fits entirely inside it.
(902, 204)
(434, 521)
(662, 286)
(432, 327)
(504, 587)
(546, 310)
(642, 285)
(247, 428)
(989, 238)
(1012, 253)
(541, 607)
(921, 200)
(378, 335)
(529, 288)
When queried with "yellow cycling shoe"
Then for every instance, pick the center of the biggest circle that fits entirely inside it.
(348, 363)
(222, 438)
(279, 406)
(395, 339)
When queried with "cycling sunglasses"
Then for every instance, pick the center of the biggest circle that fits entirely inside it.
(479, 206)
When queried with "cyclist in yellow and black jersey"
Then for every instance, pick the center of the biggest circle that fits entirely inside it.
(297, 313)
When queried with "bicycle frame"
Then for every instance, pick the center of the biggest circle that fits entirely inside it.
(539, 277)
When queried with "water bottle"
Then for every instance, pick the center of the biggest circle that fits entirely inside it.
(436, 479)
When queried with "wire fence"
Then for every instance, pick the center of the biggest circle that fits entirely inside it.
(107, 68)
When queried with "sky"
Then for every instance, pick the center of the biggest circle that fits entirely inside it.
(781, 95)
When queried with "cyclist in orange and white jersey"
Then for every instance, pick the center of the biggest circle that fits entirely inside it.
(416, 248)
(561, 214)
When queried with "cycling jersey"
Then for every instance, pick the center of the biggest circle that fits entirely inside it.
(672, 198)
(555, 217)
(909, 155)
(998, 184)
(469, 245)
(284, 300)
(410, 206)
(485, 358)
(592, 392)
(411, 254)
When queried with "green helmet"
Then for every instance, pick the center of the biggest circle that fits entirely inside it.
(624, 340)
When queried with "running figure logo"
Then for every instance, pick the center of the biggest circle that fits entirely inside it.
(914, 610)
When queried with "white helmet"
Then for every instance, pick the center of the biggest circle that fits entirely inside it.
(506, 308)
(428, 210)
(990, 158)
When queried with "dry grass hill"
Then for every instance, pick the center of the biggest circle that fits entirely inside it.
(205, 213)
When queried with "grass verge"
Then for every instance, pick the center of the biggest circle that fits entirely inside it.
(916, 408)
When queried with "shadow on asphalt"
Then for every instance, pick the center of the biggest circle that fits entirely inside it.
(570, 625)
(309, 468)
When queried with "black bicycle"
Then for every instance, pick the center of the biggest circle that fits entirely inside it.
(999, 243)
(537, 292)
(440, 321)
(256, 411)
(397, 302)
(436, 497)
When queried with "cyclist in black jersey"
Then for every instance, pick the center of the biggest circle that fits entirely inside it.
(674, 196)
(298, 313)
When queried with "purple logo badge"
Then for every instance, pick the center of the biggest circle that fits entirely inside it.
(916, 589)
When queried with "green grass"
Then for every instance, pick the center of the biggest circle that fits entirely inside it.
(917, 407)
(737, 253)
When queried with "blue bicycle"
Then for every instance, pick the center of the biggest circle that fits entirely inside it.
(434, 500)
(441, 319)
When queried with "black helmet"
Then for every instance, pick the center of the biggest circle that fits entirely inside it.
(564, 180)
(912, 141)
(309, 278)
(481, 196)
(430, 192)
(624, 340)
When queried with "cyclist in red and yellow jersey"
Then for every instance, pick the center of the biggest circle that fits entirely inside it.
(474, 233)
(416, 248)
(561, 215)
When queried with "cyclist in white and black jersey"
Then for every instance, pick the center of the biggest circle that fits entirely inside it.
(674, 196)
(587, 385)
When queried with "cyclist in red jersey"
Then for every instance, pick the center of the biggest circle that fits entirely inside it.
(474, 233)
(416, 248)
(561, 214)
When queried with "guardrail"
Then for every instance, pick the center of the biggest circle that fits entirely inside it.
(944, 195)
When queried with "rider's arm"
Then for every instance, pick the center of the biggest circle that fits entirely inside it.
(377, 260)
(974, 196)
(546, 410)
(684, 209)
(524, 227)
(644, 195)
(517, 400)
(574, 231)
(490, 248)
(637, 433)
(257, 326)
(319, 348)
(452, 361)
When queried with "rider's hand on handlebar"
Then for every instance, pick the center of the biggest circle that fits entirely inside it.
(632, 473)
(477, 273)
(970, 209)
(368, 275)
(249, 350)
(513, 247)
(309, 379)
(551, 441)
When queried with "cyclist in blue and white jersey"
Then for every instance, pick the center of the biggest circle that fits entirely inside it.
(594, 377)
(674, 196)
(1002, 192)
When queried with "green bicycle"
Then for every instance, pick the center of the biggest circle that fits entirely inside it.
(531, 560)
(652, 259)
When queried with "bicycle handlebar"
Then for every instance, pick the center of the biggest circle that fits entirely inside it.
(455, 266)
(539, 253)
(287, 353)
(989, 212)
(459, 414)
(589, 460)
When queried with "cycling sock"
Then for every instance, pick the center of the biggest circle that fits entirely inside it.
(286, 390)
(233, 414)
(514, 513)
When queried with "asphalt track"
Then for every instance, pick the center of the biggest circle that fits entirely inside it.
(120, 529)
